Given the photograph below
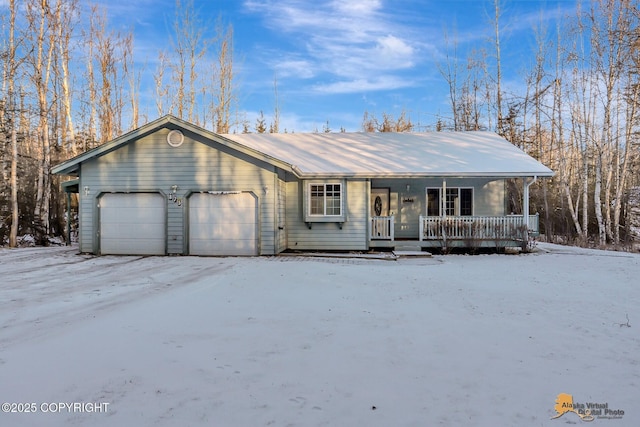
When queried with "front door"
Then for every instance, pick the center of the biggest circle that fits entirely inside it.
(379, 202)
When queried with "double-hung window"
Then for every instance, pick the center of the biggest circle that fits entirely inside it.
(325, 202)
(325, 199)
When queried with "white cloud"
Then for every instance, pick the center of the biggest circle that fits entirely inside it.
(295, 68)
(363, 85)
(394, 52)
(357, 6)
(356, 41)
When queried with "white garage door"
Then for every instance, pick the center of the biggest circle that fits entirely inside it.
(222, 224)
(132, 224)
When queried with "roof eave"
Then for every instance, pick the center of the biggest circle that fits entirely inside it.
(409, 175)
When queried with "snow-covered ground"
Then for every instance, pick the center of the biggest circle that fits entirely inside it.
(451, 340)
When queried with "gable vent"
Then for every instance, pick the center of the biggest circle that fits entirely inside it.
(175, 138)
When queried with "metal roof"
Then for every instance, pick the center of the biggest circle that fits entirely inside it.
(396, 154)
(355, 154)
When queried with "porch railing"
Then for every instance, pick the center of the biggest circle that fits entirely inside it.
(509, 227)
(382, 228)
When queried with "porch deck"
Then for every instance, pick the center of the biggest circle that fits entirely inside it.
(457, 231)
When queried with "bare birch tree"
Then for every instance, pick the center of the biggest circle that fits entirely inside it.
(65, 22)
(189, 48)
(610, 28)
(132, 79)
(161, 88)
(275, 127)
(109, 46)
(10, 73)
(106, 59)
(449, 72)
(498, 52)
(41, 37)
(225, 95)
(90, 83)
(567, 158)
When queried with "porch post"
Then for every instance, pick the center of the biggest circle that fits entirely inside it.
(443, 213)
(443, 199)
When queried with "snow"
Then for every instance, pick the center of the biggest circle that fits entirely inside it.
(396, 154)
(365, 154)
(299, 341)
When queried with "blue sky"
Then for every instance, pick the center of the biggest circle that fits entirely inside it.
(334, 60)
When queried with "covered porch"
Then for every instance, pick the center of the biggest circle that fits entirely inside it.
(448, 212)
(458, 231)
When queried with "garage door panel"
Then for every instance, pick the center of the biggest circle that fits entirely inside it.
(140, 231)
(129, 246)
(237, 231)
(223, 247)
(223, 224)
(225, 216)
(141, 216)
(223, 201)
(132, 224)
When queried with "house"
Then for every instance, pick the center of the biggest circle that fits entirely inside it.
(171, 187)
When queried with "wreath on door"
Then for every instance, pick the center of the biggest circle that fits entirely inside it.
(377, 206)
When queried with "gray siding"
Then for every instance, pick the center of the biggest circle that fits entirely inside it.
(151, 165)
(328, 236)
(408, 205)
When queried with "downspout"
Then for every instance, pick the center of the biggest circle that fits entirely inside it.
(68, 226)
(525, 200)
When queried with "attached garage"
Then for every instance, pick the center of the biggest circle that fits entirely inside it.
(223, 223)
(132, 224)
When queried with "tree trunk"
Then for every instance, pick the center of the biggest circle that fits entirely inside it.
(13, 232)
(597, 200)
(629, 130)
(225, 83)
(63, 36)
(585, 196)
(499, 123)
(41, 75)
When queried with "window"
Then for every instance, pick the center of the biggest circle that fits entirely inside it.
(457, 201)
(433, 202)
(466, 201)
(451, 201)
(325, 199)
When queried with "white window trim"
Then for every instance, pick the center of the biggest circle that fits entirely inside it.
(309, 217)
(441, 199)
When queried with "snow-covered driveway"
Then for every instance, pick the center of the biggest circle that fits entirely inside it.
(451, 340)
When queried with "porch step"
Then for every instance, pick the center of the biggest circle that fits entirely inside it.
(408, 250)
(407, 247)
